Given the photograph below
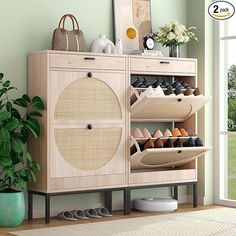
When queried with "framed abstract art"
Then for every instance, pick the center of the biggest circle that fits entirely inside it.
(132, 20)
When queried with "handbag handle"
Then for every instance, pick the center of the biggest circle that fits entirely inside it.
(73, 20)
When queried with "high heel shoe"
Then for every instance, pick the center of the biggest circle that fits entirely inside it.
(168, 143)
(183, 132)
(178, 143)
(157, 134)
(156, 83)
(148, 144)
(137, 133)
(189, 143)
(158, 143)
(176, 132)
(146, 133)
(167, 133)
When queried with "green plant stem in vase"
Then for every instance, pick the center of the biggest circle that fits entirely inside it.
(16, 165)
(173, 35)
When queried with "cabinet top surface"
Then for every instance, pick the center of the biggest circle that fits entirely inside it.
(110, 55)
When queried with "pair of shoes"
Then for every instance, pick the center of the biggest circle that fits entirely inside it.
(193, 143)
(137, 133)
(178, 91)
(167, 133)
(84, 215)
(158, 143)
(150, 91)
(141, 84)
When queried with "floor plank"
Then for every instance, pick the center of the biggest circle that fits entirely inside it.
(39, 223)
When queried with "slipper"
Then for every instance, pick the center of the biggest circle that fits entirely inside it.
(66, 215)
(79, 214)
(102, 211)
(92, 213)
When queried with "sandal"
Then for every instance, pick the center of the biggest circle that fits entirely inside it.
(66, 215)
(92, 213)
(79, 214)
(102, 211)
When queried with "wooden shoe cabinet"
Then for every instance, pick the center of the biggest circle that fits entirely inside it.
(85, 142)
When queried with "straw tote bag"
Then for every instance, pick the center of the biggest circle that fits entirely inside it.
(66, 40)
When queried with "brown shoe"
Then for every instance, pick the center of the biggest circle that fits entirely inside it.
(158, 143)
(183, 132)
(196, 92)
(176, 132)
(148, 144)
(188, 92)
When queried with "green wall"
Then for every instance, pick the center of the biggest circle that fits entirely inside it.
(27, 26)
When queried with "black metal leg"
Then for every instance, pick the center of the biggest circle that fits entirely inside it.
(194, 194)
(30, 205)
(127, 201)
(175, 192)
(47, 208)
(108, 200)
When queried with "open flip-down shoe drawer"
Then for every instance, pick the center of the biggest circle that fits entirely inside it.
(165, 157)
(166, 108)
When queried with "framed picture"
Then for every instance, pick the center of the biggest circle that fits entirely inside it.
(132, 20)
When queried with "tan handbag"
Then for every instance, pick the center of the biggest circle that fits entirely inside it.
(66, 40)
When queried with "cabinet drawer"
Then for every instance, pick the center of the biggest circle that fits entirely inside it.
(87, 62)
(165, 66)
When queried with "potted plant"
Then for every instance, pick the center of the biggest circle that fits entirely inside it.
(173, 35)
(16, 164)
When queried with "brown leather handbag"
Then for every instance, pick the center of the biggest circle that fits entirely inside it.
(66, 40)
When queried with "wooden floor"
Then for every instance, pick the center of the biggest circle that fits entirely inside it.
(39, 223)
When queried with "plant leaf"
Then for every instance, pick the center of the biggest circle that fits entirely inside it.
(6, 84)
(22, 182)
(15, 113)
(8, 107)
(28, 157)
(37, 103)
(36, 165)
(5, 161)
(16, 144)
(24, 134)
(33, 176)
(5, 148)
(20, 102)
(4, 134)
(10, 88)
(12, 124)
(26, 98)
(3, 186)
(33, 126)
(35, 113)
(1, 76)
(4, 115)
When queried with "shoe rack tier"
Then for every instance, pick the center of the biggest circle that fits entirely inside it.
(152, 108)
(164, 157)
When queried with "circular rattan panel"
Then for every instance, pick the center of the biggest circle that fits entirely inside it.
(88, 149)
(88, 99)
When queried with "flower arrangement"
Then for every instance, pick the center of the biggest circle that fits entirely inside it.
(174, 34)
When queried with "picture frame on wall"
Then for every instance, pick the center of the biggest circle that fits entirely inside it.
(132, 21)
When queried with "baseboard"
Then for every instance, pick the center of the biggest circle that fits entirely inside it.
(40, 212)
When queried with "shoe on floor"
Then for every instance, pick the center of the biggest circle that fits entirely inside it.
(79, 214)
(103, 211)
(66, 215)
(92, 213)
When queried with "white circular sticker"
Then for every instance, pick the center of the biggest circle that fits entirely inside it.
(221, 10)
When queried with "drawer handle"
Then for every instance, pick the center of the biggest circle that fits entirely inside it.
(89, 126)
(90, 58)
(179, 151)
(90, 74)
(164, 62)
(179, 100)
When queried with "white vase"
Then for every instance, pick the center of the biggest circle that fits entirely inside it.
(108, 49)
(119, 46)
(99, 45)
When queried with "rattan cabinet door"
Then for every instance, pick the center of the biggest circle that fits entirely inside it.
(76, 98)
(79, 151)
